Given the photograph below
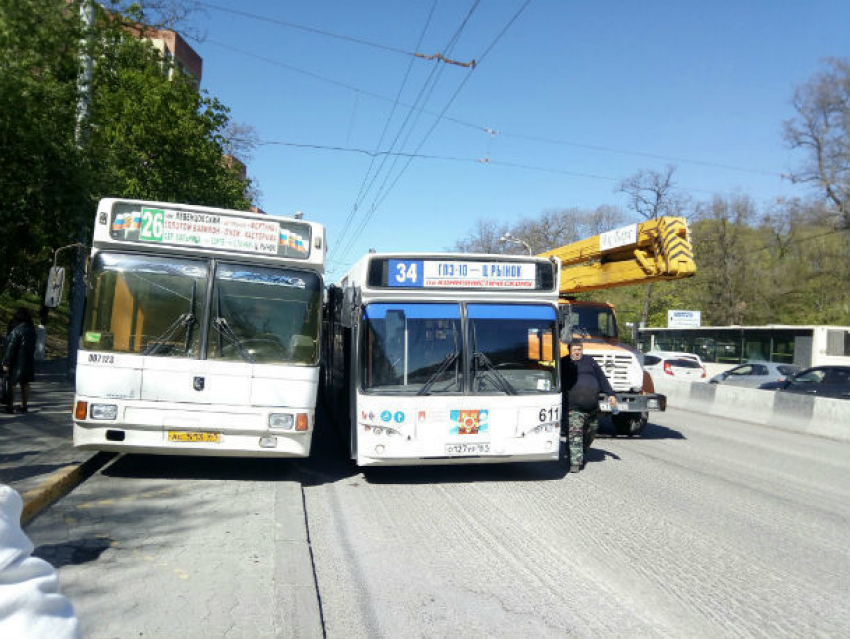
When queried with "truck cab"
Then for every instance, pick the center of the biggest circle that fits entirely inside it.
(595, 323)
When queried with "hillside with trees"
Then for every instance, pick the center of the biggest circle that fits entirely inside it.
(786, 262)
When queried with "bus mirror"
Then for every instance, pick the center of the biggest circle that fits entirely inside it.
(55, 283)
(350, 303)
(564, 319)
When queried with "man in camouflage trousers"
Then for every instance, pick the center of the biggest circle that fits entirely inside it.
(581, 382)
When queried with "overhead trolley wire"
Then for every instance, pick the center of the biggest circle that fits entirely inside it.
(301, 27)
(377, 202)
(654, 156)
(429, 86)
(361, 192)
(491, 130)
(426, 91)
(381, 193)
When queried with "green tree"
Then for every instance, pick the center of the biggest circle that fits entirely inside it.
(41, 186)
(151, 137)
(155, 137)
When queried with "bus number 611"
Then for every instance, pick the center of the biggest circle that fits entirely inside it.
(549, 414)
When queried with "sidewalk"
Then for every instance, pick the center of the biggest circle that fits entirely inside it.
(37, 456)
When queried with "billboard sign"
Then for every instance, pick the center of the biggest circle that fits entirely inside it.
(683, 319)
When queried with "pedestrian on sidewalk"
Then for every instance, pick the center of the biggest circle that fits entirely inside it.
(19, 358)
(581, 382)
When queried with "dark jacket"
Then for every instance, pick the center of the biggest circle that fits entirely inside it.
(19, 356)
(582, 381)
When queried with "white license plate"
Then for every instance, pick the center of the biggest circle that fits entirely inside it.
(476, 448)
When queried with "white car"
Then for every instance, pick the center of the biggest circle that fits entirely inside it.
(754, 374)
(676, 365)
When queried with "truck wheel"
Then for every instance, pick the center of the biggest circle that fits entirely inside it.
(629, 424)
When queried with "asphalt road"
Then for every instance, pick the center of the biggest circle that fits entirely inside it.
(703, 527)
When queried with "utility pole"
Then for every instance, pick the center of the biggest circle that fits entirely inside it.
(78, 284)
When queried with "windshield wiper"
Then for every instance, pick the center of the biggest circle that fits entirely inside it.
(220, 324)
(480, 358)
(448, 360)
(184, 320)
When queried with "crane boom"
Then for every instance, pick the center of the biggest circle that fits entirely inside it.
(657, 249)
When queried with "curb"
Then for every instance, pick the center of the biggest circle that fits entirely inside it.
(60, 483)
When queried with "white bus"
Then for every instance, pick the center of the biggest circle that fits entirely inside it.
(201, 332)
(445, 358)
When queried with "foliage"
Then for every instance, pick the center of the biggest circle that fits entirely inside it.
(155, 138)
(788, 263)
(150, 137)
(40, 182)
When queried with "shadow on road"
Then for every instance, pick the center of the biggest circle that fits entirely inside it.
(11, 457)
(467, 473)
(655, 431)
(201, 468)
(73, 552)
(652, 431)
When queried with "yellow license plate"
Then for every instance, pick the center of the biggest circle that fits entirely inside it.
(183, 436)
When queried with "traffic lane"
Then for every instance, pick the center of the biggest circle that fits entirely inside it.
(474, 550)
(184, 546)
(699, 528)
(760, 515)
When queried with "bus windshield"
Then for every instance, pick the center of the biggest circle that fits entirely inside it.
(512, 348)
(156, 306)
(145, 305)
(412, 348)
(264, 315)
(420, 348)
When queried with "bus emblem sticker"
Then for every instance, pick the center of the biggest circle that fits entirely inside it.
(469, 422)
(399, 417)
(386, 416)
(198, 383)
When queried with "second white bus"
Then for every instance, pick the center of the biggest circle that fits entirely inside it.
(445, 358)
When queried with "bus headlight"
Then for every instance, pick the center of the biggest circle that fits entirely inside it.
(652, 403)
(104, 411)
(284, 421)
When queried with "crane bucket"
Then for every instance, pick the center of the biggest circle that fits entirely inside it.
(657, 249)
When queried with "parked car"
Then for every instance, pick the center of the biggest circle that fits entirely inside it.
(754, 374)
(676, 365)
(821, 381)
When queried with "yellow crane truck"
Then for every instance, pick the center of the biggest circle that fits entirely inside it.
(641, 253)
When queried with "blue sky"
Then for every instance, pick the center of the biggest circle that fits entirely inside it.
(606, 88)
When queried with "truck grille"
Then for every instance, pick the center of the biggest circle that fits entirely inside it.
(616, 369)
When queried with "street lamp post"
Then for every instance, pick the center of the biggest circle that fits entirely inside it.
(507, 237)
